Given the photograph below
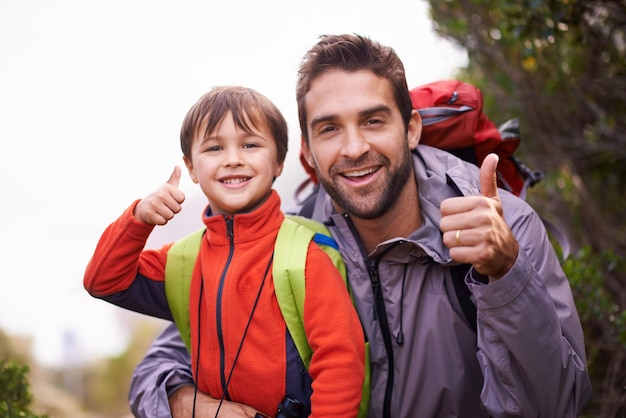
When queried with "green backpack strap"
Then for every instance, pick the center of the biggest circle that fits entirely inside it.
(290, 252)
(181, 259)
(291, 249)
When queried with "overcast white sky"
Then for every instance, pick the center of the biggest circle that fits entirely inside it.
(92, 96)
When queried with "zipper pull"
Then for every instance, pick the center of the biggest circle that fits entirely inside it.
(230, 228)
(375, 288)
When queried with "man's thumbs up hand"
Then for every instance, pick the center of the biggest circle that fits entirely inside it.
(474, 229)
(162, 204)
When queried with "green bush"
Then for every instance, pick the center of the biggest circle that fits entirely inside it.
(15, 395)
(598, 286)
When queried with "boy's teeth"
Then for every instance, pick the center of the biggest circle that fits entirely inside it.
(234, 181)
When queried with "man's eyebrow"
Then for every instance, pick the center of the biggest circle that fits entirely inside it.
(363, 113)
(374, 110)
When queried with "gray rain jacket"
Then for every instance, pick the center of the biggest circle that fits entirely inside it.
(527, 358)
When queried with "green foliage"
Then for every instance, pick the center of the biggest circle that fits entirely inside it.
(596, 306)
(15, 396)
(604, 321)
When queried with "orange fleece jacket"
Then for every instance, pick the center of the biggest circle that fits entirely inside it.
(234, 258)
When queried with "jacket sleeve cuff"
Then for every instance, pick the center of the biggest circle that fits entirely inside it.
(506, 289)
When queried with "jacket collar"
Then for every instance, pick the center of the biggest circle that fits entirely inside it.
(245, 227)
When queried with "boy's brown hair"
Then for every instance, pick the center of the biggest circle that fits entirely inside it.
(249, 109)
(351, 53)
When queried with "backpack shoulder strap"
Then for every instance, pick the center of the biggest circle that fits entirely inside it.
(181, 259)
(291, 249)
(463, 294)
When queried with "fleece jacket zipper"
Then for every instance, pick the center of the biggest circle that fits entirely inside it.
(218, 306)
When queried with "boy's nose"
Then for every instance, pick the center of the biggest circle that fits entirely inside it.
(233, 157)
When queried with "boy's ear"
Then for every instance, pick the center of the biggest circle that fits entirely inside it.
(414, 131)
(279, 169)
(189, 166)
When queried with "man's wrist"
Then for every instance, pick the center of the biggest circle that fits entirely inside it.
(171, 389)
(181, 401)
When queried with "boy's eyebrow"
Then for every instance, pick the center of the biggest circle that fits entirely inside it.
(245, 134)
(205, 137)
(362, 114)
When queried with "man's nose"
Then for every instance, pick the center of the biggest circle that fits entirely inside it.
(355, 143)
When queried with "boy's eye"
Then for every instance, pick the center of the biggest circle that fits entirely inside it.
(250, 145)
(213, 148)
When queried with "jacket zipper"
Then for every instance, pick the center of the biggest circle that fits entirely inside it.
(380, 314)
(218, 306)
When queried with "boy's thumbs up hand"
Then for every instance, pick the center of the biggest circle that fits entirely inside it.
(174, 177)
(162, 204)
(474, 229)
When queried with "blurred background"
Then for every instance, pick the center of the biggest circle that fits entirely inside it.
(92, 96)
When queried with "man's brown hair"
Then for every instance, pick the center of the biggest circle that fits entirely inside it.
(351, 53)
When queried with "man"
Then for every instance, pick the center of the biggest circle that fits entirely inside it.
(404, 216)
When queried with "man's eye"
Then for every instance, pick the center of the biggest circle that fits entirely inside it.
(326, 129)
(374, 121)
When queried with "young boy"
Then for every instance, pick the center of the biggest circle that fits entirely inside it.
(234, 142)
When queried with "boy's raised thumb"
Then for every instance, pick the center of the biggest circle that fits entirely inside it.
(175, 177)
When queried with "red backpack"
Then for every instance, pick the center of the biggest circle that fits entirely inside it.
(453, 120)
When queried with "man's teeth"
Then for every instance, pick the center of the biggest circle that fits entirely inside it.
(359, 173)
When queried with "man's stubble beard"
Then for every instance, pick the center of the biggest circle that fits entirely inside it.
(374, 201)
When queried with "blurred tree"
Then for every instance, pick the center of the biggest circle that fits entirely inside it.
(560, 67)
(103, 385)
(106, 383)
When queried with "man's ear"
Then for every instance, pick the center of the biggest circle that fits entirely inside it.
(189, 166)
(414, 131)
(305, 152)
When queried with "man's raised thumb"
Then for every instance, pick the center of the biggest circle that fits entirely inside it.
(175, 177)
(488, 176)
